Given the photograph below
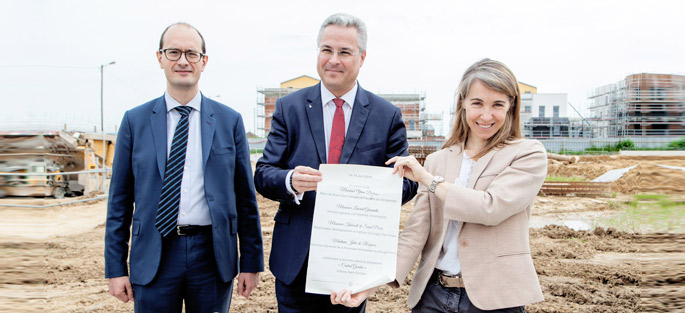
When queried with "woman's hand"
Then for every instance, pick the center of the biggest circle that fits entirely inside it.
(346, 298)
(412, 169)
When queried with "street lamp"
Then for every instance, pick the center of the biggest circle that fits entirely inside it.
(102, 124)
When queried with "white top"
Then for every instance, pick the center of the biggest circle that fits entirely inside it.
(328, 111)
(448, 261)
(193, 208)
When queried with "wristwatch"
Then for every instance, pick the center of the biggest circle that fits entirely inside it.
(436, 181)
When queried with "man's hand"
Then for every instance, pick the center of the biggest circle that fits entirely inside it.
(305, 178)
(246, 283)
(350, 300)
(120, 287)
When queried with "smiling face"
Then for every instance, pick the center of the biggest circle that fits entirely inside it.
(339, 74)
(486, 111)
(180, 74)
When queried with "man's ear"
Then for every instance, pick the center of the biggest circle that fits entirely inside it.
(159, 59)
(205, 58)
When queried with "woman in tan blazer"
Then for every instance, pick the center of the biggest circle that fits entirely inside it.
(470, 219)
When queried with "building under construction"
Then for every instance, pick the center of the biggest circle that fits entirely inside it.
(412, 105)
(640, 105)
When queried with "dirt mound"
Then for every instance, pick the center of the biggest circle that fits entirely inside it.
(575, 280)
(647, 177)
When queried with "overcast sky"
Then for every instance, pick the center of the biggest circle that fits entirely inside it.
(53, 49)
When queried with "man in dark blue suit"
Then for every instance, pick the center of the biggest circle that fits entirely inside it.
(335, 121)
(191, 206)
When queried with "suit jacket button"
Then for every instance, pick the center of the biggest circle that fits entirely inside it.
(464, 243)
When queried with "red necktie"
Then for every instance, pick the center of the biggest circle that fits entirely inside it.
(337, 133)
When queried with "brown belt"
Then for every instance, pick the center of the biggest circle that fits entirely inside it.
(453, 281)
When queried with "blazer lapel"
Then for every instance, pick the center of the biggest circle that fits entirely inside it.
(452, 167)
(480, 166)
(453, 163)
(314, 111)
(158, 123)
(360, 112)
(208, 126)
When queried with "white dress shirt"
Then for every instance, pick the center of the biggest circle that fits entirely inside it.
(193, 208)
(328, 112)
(448, 261)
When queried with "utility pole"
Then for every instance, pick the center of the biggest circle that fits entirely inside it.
(102, 125)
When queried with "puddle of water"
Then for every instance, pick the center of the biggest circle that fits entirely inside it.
(577, 221)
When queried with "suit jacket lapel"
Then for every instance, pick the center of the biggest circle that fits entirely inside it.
(360, 112)
(208, 126)
(314, 111)
(158, 122)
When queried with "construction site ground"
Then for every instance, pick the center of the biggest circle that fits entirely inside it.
(52, 258)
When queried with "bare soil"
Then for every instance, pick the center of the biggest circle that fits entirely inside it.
(52, 258)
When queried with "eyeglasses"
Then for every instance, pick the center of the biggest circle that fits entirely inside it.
(175, 55)
(327, 52)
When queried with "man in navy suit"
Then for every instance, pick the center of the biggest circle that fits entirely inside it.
(195, 258)
(303, 136)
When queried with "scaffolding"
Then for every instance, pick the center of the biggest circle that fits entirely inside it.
(640, 105)
(412, 106)
(266, 104)
(431, 122)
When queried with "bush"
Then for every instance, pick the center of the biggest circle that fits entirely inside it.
(625, 144)
(677, 145)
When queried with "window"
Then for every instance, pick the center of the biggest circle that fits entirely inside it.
(638, 94)
(541, 112)
(660, 93)
(555, 111)
(527, 109)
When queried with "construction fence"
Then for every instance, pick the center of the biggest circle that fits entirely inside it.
(421, 148)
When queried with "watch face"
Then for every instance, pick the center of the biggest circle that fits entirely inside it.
(436, 181)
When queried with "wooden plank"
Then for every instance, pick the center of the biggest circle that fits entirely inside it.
(575, 188)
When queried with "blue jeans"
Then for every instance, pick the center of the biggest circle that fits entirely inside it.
(437, 298)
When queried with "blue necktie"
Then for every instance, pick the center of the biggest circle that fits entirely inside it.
(167, 211)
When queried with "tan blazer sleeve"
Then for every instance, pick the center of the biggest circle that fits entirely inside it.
(508, 192)
(415, 234)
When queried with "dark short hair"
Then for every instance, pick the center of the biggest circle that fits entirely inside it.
(161, 39)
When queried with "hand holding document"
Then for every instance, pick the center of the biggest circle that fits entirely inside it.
(355, 228)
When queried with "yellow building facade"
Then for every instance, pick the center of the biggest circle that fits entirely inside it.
(303, 81)
(525, 88)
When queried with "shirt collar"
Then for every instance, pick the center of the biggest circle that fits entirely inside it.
(171, 103)
(327, 96)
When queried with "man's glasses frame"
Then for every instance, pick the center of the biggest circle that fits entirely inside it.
(328, 52)
(173, 54)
